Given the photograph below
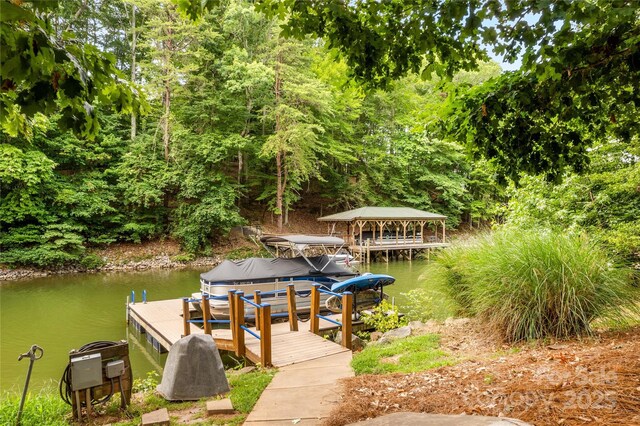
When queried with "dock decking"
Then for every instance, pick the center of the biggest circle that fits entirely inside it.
(162, 321)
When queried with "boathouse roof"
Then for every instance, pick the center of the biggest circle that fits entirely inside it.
(382, 213)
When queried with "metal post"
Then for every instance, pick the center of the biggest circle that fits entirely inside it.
(34, 354)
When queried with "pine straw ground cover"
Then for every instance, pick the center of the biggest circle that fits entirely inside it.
(591, 381)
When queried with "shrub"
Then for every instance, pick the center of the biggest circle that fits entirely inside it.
(92, 261)
(534, 284)
(384, 317)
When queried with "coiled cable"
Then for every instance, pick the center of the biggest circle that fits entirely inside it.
(65, 382)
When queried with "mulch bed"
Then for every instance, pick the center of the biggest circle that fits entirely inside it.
(591, 381)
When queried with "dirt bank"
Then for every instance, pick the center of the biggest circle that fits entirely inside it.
(588, 381)
(167, 254)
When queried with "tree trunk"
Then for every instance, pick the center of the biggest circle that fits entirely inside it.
(279, 189)
(134, 123)
(166, 97)
(280, 155)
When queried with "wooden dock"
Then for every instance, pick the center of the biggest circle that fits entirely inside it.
(163, 323)
(388, 249)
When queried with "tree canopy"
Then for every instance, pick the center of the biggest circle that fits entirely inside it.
(127, 120)
(579, 73)
(46, 70)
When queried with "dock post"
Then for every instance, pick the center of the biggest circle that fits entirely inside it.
(239, 321)
(314, 321)
(232, 317)
(368, 251)
(347, 318)
(206, 314)
(186, 316)
(257, 299)
(127, 310)
(265, 335)
(291, 304)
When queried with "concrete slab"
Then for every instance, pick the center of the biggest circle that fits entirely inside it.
(220, 406)
(340, 359)
(426, 419)
(302, 394)
(295, 403)
(320, 376)
(296, 422)
(156, 418)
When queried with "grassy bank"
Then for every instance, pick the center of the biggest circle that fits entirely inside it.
(408, 355)
(46, 408)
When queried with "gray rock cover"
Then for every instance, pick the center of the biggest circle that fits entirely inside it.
(193, 370)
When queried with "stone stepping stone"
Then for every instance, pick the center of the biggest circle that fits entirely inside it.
(220, 406)
(156, 418)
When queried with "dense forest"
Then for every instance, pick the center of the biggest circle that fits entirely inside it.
(193, 125)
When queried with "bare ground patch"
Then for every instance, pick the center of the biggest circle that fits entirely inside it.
(588, 381)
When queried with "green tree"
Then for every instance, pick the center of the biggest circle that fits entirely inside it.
(43, 72)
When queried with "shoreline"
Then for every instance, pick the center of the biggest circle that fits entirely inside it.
(156, 262)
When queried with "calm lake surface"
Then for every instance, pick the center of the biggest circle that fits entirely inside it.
(65, 312)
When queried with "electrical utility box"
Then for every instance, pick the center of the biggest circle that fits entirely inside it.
(86, 371)
(114, 369)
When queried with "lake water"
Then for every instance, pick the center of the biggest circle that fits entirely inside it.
(64, 312)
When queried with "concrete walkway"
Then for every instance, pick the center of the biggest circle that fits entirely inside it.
(302, 394)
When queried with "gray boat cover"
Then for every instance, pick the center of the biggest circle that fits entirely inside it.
(306, 240)
(257, 268)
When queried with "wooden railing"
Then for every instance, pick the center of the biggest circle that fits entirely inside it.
(236, 321)
(263, 316)
(347, 313)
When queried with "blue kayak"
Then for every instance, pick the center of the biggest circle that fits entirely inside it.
(363, 282)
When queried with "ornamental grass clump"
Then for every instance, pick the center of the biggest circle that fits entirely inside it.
(536, 284)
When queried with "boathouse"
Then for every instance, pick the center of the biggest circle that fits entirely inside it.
(388, 231)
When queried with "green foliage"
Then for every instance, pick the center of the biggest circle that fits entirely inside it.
(535, 284)
(55, 244)
(148, 384)
(408, 355)
(44, 71)
(602, 201)
(384, 317)
(218, 137)
(423, 304)
(44, 408)
(91, 261)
